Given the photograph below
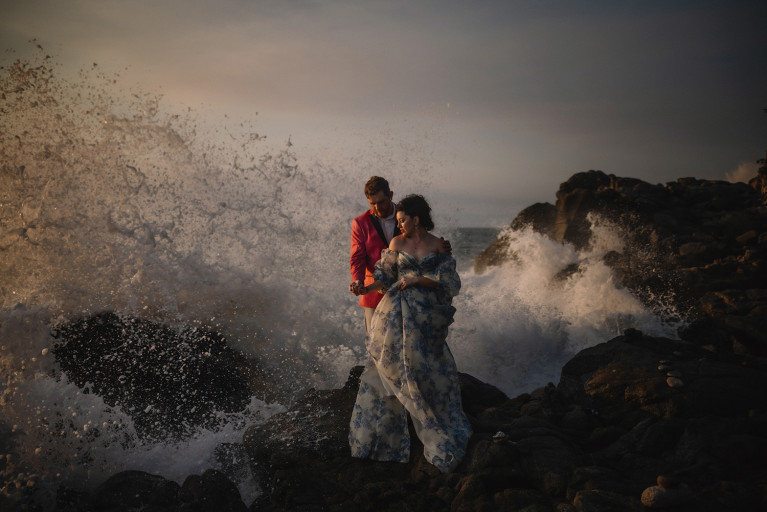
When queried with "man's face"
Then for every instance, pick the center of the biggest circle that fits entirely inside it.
(380, 203)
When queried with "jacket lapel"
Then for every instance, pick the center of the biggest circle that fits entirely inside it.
(379, 229)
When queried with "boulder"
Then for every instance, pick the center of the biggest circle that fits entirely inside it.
(621, 376)
(211, 491)
(134, 490)
(170, 380)
(138, 490)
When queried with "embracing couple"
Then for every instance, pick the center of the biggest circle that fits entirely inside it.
(406, 278)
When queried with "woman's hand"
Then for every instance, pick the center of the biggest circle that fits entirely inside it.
(407, 282)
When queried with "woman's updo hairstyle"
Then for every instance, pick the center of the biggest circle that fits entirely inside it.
(415, 205)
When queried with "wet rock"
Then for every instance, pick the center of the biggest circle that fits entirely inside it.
(134, 490)
(169, 380)
(138, 490)
(211, 491)
(618, 377)
(674, 382)
(663, 497)
(591, 478)
(549, 461)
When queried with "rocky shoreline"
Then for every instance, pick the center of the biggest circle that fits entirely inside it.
(635, 423)
(697, 244)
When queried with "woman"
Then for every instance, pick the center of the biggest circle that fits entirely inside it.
(411, 369)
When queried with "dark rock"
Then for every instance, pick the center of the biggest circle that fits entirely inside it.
(605, 501)
(736, 495)
(479, 396)
(211, 491)
(169, 380)
(591, 478)
(522, 499)
(137, 490)
(131, 490)
(759, 184)
(70, 500)
(660, 437)
(550, 462)
(621, 376)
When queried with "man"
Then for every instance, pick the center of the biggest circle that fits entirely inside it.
(371, 233)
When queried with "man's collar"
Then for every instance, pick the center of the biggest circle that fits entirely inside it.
(393, 212)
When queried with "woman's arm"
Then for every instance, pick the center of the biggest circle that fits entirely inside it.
(408, 281)
(372, 287)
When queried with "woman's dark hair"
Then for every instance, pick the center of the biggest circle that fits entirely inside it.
(415, 205)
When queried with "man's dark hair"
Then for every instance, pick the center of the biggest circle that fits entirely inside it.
(415, 205)
(375, 185)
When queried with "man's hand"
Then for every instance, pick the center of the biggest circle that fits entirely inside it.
(356, 287)
(444, 246)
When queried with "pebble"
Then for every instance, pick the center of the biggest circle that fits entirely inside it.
(658, 497)
(676, 374)
(664, 367)
(674, 382)
(500, 437)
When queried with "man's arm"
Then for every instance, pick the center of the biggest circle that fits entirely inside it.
(358, 258)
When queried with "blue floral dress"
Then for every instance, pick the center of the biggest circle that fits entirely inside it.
(411, 369)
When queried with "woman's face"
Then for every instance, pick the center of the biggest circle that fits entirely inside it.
(406, 223)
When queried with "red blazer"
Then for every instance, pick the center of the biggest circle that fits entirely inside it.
(366, 251)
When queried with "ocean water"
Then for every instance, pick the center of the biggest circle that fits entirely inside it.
(111, 201)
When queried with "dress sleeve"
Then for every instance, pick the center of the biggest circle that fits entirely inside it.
(446, 275)
(386, 268)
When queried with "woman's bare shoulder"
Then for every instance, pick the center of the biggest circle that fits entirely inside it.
(397, 243)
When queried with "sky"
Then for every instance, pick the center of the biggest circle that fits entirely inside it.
(496, 102)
